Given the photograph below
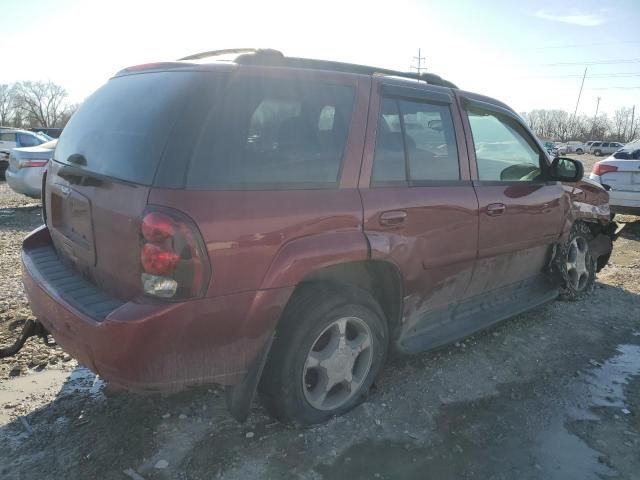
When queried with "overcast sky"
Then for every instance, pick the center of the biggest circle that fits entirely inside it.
(528, 54)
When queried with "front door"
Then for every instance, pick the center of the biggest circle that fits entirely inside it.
(420, 209)
(520, 212)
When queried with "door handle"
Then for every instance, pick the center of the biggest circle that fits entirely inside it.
(495, 209)
(393, 218)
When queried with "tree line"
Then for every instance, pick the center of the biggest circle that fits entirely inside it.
(34, 105)
(559, 125)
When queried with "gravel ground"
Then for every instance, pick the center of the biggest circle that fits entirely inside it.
(551, 394)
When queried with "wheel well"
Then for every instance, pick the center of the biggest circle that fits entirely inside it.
(380, 279)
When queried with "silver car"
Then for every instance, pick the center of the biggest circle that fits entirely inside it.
(26, 166)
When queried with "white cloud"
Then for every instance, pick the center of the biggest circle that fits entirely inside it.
(582, 19)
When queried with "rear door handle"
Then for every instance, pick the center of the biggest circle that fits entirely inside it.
(393, 218)
(495, 209)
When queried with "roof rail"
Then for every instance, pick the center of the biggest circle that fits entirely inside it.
(215, 53)
(258, 56)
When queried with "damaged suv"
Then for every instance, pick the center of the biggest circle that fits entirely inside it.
(280, 225)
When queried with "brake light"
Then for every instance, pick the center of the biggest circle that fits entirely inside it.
(173, 257)
(31, 162)
(601, 169)
(157, 260)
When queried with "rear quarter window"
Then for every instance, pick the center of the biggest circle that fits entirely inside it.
(267, 133)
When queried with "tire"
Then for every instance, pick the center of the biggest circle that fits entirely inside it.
(311, 350)
(579, 151)
(575, 267)
(597, 153)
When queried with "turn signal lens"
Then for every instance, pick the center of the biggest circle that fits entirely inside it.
(157, 227)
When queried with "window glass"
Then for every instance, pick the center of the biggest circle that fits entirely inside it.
(605, 144)
(266, 133)
(389, 162)
(28, 140)
(503, 151)
(430, 141)
(431, 152)
(8, 137)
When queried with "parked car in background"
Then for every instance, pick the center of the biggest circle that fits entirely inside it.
(584, 148)
(272, 241)
(559, 149)
(11, 138)
(604, 148)
(619, 174)
(573, 146)
(49, 132)
(26, 166)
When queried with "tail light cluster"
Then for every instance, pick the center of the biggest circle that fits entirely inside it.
(174, 260)
(601, 169)
(31, 162)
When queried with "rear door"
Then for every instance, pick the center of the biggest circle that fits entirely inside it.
(520, 212)
(420, 210)
(104, 164)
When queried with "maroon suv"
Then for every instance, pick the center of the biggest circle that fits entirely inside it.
(282, 224)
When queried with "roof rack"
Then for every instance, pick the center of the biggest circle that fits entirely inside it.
(215, 53)
(267, 56)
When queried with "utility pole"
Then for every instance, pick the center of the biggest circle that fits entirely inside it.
(419, 59)
(633, 116)
(575, 112)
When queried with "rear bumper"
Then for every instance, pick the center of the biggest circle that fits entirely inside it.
(150, 345)
(26, 181)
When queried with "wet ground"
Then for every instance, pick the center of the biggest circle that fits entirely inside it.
(551, 394)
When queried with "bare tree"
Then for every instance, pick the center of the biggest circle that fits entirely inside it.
(42, 104)
(6, 103)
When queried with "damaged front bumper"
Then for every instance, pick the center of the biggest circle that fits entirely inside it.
(602, 244)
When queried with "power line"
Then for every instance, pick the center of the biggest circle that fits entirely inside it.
(583, 45)
(569, 64)
(617, 88)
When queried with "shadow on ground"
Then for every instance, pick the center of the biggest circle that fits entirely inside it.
(552, 394)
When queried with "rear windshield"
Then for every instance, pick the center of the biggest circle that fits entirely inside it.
(123, 128)
(213, 130)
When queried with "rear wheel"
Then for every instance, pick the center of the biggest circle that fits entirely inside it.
(579, 151)
(329, 349)
(575, 265)
(597, 153)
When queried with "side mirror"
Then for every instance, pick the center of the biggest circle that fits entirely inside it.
(566, 169)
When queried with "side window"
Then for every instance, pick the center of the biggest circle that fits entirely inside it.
(430, 141)
(504, 152)
(389, 161)
(596, 144)
(415, 142)
(28, 140)
(605, 144)
(276, 134)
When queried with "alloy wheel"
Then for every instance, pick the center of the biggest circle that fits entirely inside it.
(338, 363)
(578, 259)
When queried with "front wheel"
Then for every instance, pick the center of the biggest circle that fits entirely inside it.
(329, 348)
(579, 151)
(597, 153)
(575, 265)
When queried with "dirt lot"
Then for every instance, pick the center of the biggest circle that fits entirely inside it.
(551, 394)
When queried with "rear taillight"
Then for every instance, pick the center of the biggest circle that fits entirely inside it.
(31, 162)
(601, 169)
(173, 257)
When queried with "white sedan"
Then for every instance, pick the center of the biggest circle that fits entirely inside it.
(620, 175)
